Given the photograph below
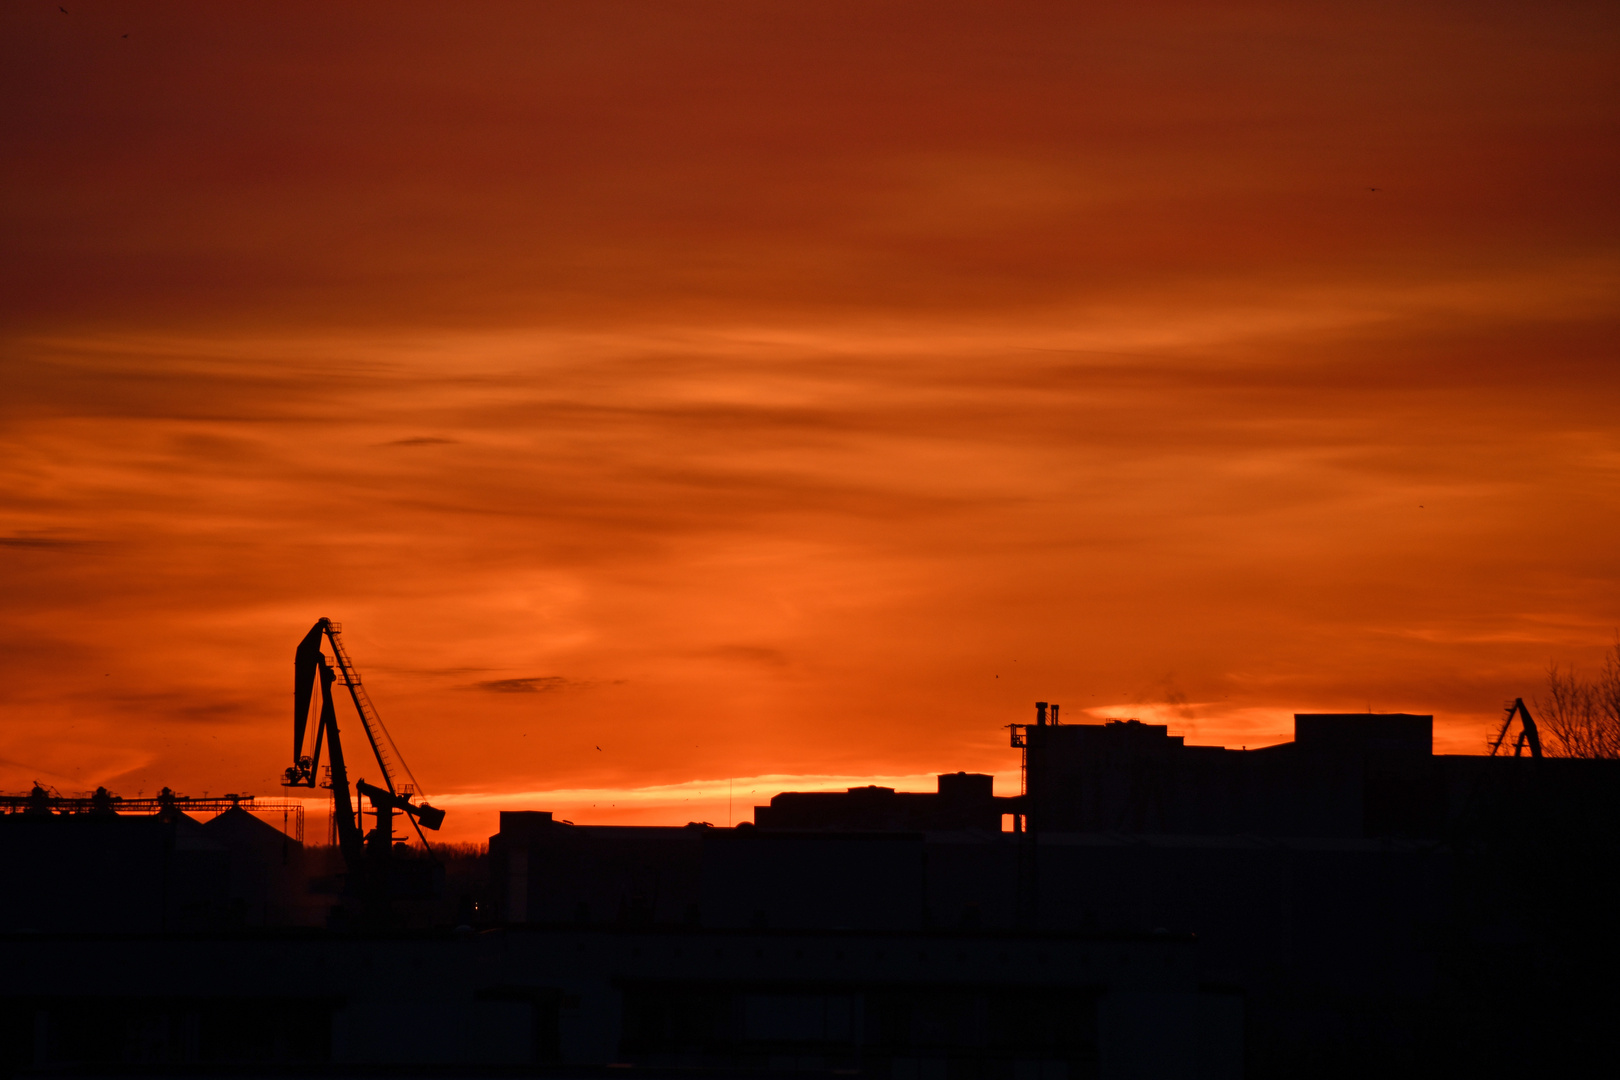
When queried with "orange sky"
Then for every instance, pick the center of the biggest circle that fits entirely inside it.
(793, 392)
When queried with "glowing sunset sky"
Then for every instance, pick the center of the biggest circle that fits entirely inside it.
(793, 393)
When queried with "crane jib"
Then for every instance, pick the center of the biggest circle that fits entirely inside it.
(389, 759)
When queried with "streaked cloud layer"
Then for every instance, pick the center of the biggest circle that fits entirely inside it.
(795, 389)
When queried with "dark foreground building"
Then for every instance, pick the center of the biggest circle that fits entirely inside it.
(1366, 905)
(573, 1001)
(1348, 904)
(145, 874)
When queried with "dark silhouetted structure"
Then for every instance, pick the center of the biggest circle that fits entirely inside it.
(1344, 775)
(166, 872)
(373, 877)
(567, 1001)
(963, 801)
(1346, 904)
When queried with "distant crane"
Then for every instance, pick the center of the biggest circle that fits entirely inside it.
(359, 850)
(1527, 731)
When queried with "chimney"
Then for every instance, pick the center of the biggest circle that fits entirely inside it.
(1040, 714)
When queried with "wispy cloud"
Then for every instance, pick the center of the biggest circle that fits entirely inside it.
(47, 543)
(535, 684)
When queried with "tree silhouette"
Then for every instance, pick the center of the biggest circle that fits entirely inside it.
(1580, 717)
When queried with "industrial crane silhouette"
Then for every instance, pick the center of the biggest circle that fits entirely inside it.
(1527, 731)
(365, 855)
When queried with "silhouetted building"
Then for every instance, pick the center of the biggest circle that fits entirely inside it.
(1361, 898)
(1345, 775)
(121, 873)
(549, 872)
(109, 873)
(268, 877)
(963, 801)
(893, 1006)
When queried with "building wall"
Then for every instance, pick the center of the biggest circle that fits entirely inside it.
(896, 1006)
(114, 874)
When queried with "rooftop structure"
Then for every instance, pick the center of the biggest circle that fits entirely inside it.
(963, 801)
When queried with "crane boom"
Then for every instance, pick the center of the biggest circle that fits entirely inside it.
(389, 759)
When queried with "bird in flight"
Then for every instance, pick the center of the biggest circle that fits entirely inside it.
(599, 748)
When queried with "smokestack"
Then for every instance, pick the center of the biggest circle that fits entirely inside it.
(1040, 714)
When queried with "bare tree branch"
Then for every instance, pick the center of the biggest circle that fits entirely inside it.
(1582, 716)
